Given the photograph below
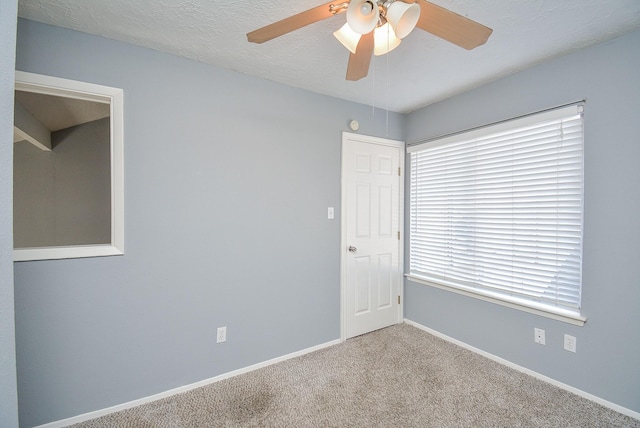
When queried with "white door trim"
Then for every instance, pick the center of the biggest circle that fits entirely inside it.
(400, 145)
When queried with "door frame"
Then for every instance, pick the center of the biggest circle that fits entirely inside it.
(400, 145)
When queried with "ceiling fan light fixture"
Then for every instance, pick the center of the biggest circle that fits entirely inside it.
(347, 37)
(403, 17)
(385, 40)
(363, 16)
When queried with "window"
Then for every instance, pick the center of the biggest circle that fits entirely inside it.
(496, 213)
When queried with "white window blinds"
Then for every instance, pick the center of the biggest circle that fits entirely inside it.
(497, 211)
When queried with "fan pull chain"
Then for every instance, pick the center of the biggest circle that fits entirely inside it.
(373, 88)
(387, 89)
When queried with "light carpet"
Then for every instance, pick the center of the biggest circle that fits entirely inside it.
(399, 376)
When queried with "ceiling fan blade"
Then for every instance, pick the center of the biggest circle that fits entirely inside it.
(359, 62)
(295, 22)
(452, 27)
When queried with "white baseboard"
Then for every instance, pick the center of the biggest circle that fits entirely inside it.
(98, 413)
(537, 375)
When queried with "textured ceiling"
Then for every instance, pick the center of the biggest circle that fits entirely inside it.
(422, 70)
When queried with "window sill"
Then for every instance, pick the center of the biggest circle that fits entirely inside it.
(72, 252)
(559, 314)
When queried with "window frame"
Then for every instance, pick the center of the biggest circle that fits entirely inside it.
(56, 86)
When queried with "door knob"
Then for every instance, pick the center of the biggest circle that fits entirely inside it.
(353, 249)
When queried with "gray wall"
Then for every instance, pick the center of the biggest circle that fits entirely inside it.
(607, 361)
(63, 197)
(8, 391)
(227, 183)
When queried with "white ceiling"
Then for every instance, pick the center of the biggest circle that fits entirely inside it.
(423, 70)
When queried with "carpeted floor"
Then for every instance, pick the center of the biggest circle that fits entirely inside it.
(400, 376)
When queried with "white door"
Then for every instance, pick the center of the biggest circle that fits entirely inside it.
(371, 238)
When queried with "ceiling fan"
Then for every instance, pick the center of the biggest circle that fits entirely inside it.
(377, 27)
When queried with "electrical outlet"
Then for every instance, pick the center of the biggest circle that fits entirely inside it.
(222, 334)
(569, 343)
(538, 336)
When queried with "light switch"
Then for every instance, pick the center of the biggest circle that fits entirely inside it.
(330, 213)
